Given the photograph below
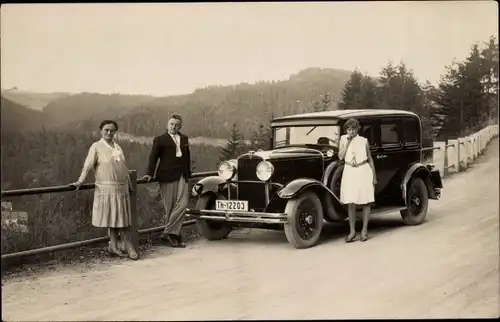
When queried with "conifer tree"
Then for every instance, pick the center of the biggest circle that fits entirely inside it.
(235, 145)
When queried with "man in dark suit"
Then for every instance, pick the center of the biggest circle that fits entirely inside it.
(174, 170)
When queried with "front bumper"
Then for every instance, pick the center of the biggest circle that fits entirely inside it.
(238, 216)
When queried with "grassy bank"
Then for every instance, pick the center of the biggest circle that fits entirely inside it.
(53, 222)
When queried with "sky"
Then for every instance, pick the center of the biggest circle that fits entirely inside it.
(168, 49)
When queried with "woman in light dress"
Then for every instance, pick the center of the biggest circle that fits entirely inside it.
(359, 177)
(111, 207)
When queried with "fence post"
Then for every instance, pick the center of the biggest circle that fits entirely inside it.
(482, 140)
(474, 147)
(463, 153)
(134, 231)
(452, 156)
(438, 156)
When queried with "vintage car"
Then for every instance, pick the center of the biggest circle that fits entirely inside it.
(296, 184)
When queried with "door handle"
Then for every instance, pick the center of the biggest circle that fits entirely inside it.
(381, 156)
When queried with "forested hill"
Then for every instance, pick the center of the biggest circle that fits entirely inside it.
(16, 117)
(210, 112)
(36, 101)
(207, 112)
(72, 111)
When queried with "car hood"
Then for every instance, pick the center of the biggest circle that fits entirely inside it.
(286, 153)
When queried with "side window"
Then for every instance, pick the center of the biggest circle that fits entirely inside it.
(368, 131)
(411, 131)
(389, 135)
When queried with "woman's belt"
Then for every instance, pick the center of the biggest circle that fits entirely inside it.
(355, 165)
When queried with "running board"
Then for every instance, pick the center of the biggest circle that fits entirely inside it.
(380, 211)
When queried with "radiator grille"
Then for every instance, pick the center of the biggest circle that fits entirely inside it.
(253, 192)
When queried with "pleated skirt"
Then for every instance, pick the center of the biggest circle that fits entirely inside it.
(357, 185)
(111, 206)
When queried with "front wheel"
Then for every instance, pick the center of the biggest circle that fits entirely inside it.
(211, 230)
(417, 201)
(305, 220)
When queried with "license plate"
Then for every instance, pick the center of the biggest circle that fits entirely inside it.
(238, 205)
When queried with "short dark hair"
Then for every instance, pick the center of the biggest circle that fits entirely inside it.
(108, 122)
(175, 116)
(351, 123)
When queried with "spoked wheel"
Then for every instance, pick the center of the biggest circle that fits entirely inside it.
(211, 230)
(305, 220)
(417, 201)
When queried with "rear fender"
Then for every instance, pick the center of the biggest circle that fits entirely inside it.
(213, 184)
(428, 176)
(329, 172)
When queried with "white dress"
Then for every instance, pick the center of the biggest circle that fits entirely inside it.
(357, 182)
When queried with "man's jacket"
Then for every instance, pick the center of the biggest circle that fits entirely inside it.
(170, 167)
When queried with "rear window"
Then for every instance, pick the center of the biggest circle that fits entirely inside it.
(410, 130)
(389, 134)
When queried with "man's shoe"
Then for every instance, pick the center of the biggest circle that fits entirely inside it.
(178, 241)
(168, 240)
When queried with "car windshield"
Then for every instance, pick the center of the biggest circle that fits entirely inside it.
(320, 134)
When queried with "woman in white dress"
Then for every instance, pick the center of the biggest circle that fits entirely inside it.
(359, 177)
(111, 207)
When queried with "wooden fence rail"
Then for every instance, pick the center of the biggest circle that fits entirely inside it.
(133, 198)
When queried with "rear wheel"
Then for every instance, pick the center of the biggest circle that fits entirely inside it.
(211, 230)
(417, 201)
(305, 220)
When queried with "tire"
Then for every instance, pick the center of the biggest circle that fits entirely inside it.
(336, 212)
(305, 220)
(417, 200)
(211, 230)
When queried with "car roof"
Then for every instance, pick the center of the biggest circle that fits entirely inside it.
(345, 114)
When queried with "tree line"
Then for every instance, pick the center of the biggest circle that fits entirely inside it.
(464, 101)
(211, 111)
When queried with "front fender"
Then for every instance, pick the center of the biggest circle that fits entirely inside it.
(214, 184)
(295, 187)
(420, 170)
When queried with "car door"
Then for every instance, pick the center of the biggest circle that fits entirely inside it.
(388, 156)
(370, 130)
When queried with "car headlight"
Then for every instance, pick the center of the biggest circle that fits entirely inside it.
(265, 170)
(227, 170)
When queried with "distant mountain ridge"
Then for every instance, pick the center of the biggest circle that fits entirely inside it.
(36, 101)
(207, 112)
(16, 117)
(211, 111)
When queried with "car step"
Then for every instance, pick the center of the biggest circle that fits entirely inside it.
(379, 211)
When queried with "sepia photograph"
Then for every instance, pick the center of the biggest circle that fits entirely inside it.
(250, 161)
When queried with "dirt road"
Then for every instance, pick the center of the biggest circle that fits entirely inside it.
(447, 267)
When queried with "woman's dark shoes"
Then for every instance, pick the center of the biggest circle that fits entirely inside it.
(122, 246)
(116, 252)
(132, 254)
(364, 237)
(350, 238)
